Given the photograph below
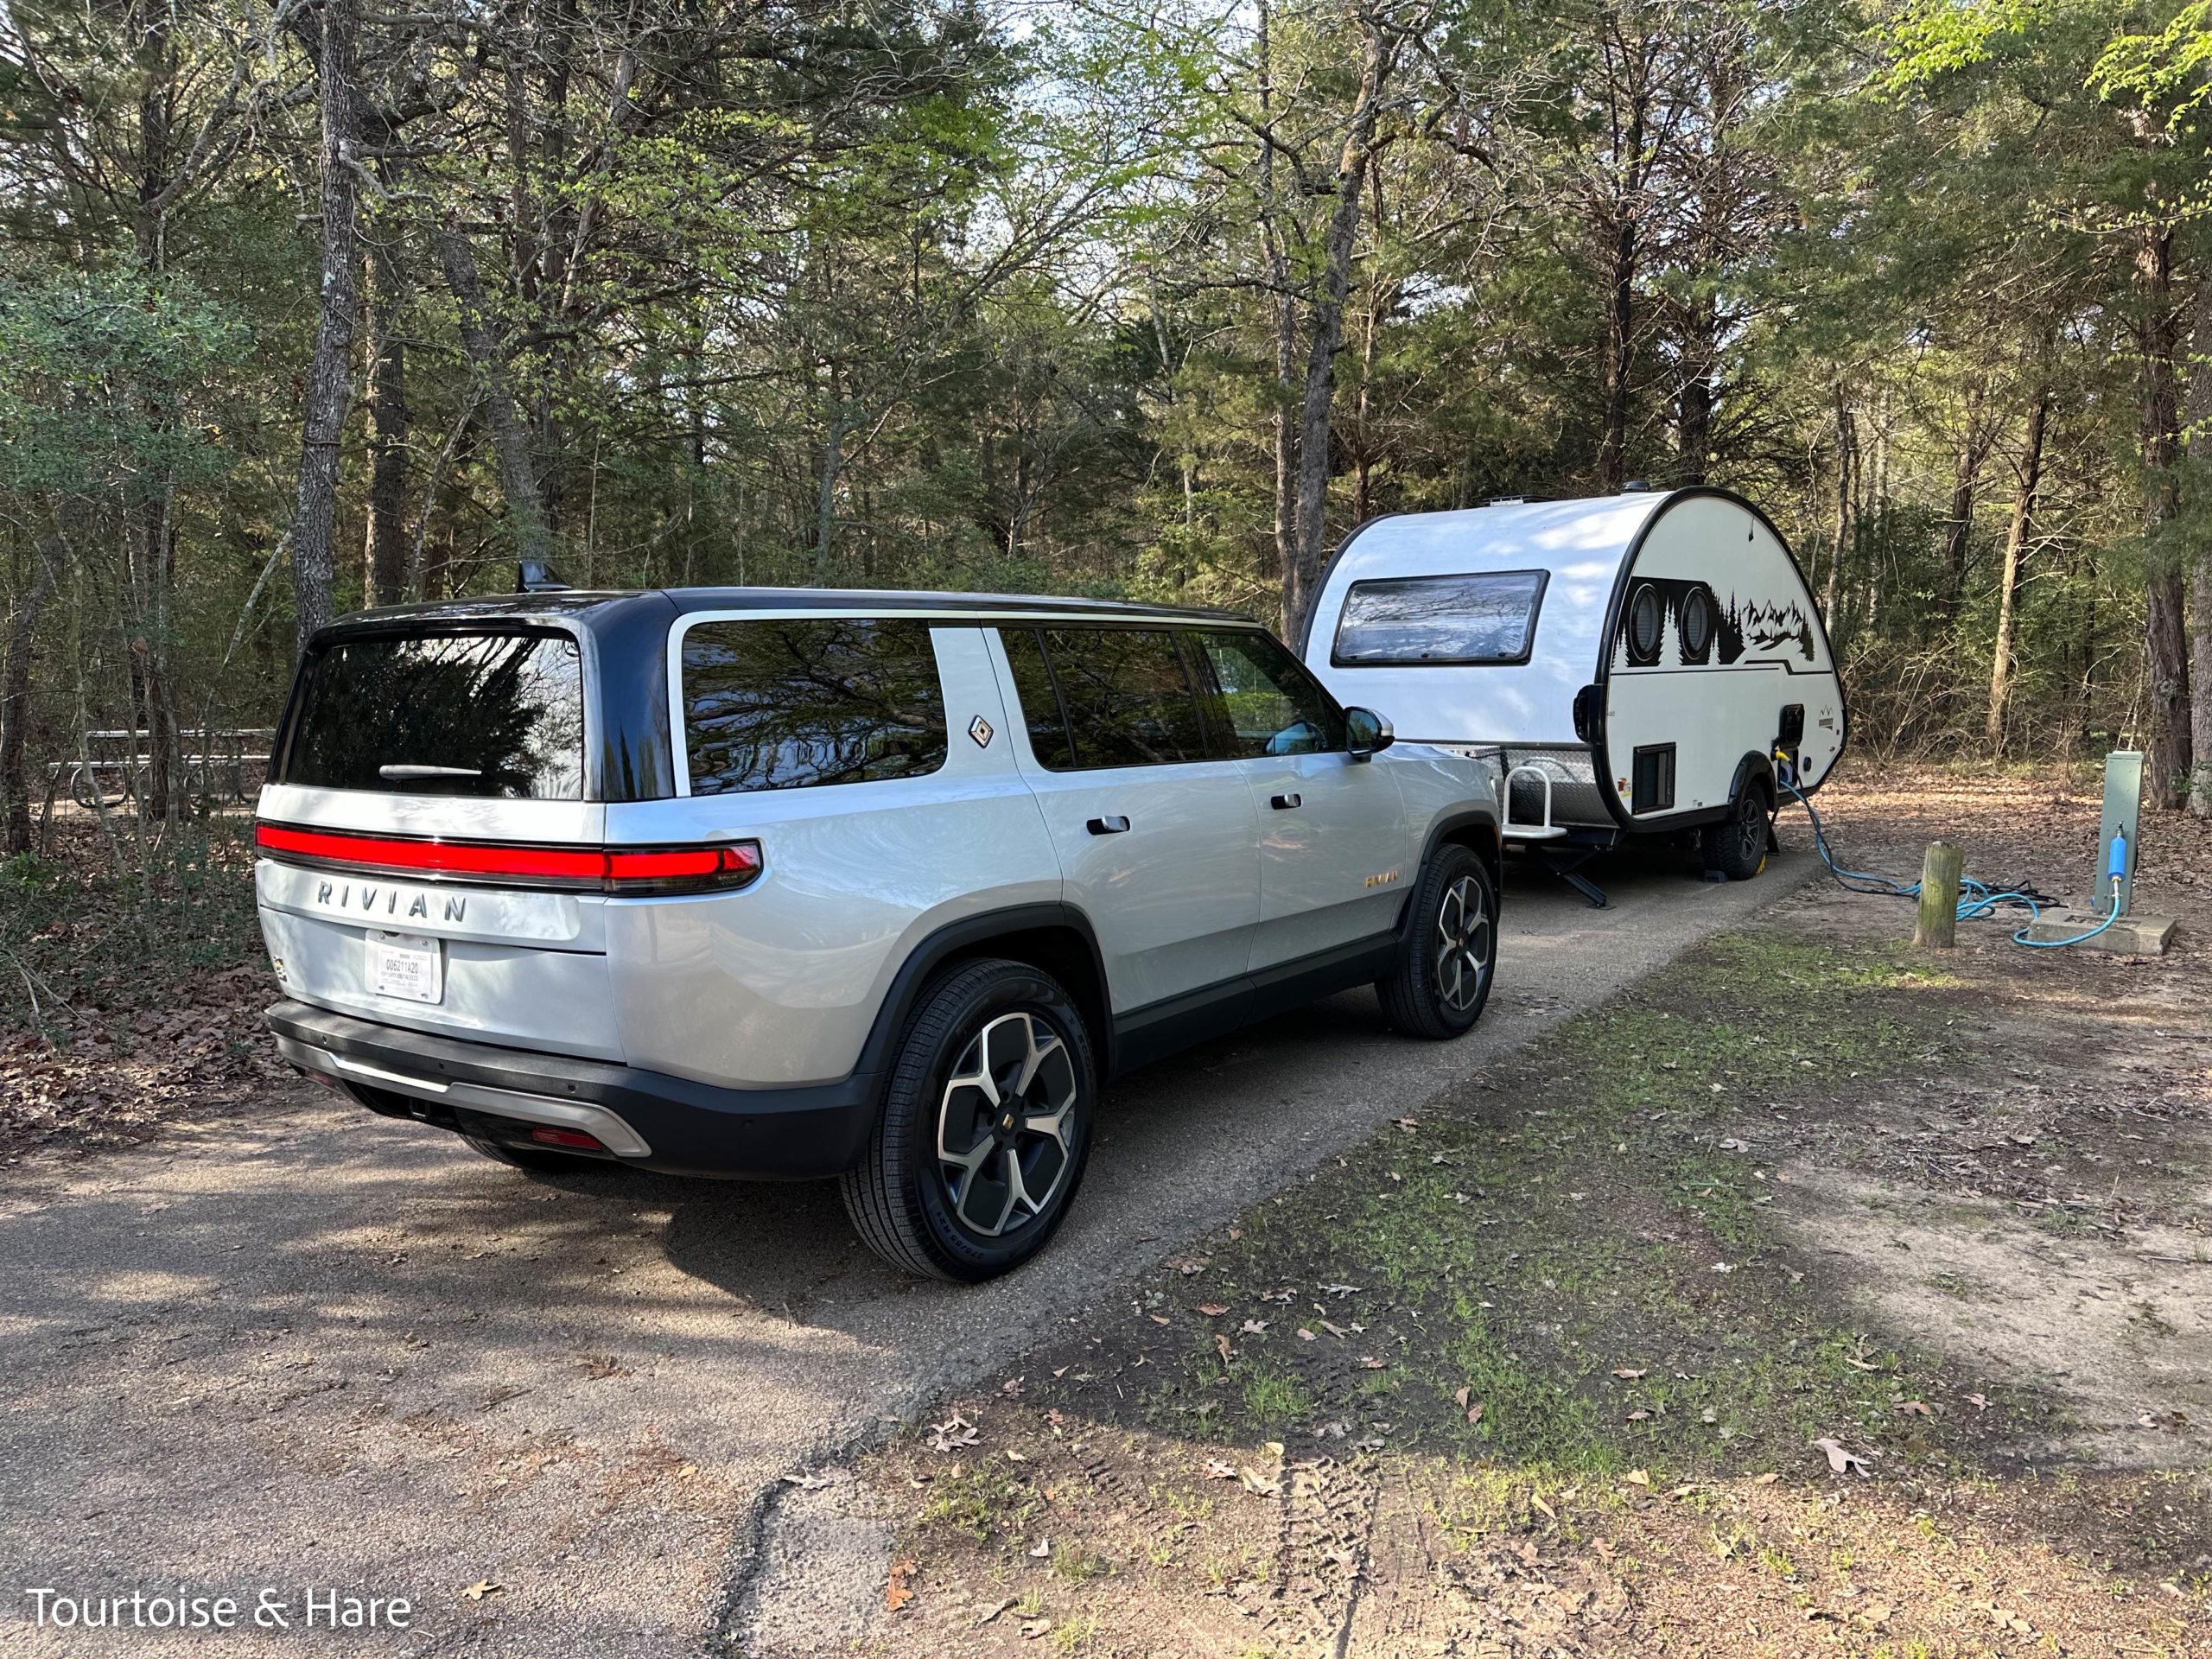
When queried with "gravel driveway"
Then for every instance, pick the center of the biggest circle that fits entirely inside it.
(312, 1349)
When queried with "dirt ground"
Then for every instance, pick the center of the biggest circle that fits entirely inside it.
(1817, 1296)
(1542, 1367)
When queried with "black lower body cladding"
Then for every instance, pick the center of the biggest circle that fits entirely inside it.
(692, 1128)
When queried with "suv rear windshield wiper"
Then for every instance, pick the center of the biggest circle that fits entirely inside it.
(397, 773)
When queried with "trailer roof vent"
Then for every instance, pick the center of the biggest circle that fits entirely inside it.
(1635, 487)
(1507, 500)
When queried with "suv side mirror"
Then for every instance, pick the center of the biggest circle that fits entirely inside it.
(1368, 734)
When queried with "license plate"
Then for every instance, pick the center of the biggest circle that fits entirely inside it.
(407, 966)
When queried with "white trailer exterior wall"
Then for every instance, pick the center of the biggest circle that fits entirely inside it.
(1685, 610)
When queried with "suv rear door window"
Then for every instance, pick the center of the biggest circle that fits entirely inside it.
(796, 702)
(449, 714)
(1100, 697)
(1489, 618)
(1263, 701)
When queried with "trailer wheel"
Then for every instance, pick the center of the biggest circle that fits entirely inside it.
(1736, 845)
(1448, 956)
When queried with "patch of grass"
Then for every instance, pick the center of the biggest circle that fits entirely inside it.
(1274, 1397)
(980, 1502)
(1078, 1565)
(1581, 1247)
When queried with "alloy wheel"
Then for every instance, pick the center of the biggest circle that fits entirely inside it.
(1463, 944)
(1006, 1124)
(1751, 830)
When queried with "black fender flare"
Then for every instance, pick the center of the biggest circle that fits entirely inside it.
(1450, 826)
(1759, 768)
(964, 937)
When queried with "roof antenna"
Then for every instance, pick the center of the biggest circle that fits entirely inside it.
(537, 576)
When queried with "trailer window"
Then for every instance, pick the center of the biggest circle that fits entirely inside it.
(1489, 618)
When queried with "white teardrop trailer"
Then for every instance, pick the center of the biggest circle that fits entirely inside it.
(1635, 665)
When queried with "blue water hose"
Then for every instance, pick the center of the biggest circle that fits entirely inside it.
(1976, 898)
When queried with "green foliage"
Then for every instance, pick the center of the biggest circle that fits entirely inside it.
(107, 383)
(933, 295)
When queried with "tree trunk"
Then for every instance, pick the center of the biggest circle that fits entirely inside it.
(1362, 455)
(1623, 194)
(1620, 326)
(825, 498)
(1958, 527)
(1846, 472)
(165, 767)
(2198, 493)
(1696, 403)
(1285, 313)
(2016, 547)
(1299, 580)
(2165, 637)
(16, 706)
(314, 520)
(383, 574)
(510, 442)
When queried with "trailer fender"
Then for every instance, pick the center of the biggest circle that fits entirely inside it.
(1756, 771)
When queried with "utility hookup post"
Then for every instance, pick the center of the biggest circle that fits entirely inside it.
(2109, 922)
(2123, 808)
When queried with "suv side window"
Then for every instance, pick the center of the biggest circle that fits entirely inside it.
(1099, 697)
(1263, 702)
(800, 701)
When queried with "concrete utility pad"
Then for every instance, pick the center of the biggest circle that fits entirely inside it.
(2131, 936)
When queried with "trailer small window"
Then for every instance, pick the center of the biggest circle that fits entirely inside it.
(1489, 618)
(1698, 618)
(1647, 623)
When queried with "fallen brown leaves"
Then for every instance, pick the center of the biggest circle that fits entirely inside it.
(107, 1026)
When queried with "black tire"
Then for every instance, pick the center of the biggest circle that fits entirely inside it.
(1002, 1024)
(1736, 845)
(538, 1163)
(1449, 955)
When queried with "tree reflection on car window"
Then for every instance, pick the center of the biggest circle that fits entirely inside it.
(1098, 697)
(796, 703)
(498, 715)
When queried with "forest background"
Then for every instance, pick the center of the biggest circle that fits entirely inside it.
(312, 305)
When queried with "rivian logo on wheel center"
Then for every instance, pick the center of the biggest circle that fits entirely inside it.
(1383, 880)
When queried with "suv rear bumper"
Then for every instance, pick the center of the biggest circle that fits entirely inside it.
(647, 1118)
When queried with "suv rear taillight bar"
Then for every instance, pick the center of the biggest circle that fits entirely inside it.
(628, 870)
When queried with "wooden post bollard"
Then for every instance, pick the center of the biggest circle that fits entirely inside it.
(1938, 927)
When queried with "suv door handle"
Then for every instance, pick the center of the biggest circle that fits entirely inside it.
(1284, 803)
(1116, 825)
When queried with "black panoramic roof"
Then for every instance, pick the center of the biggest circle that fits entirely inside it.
(673, 602)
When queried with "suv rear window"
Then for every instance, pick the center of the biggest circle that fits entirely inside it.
(447, 714)
(793, 703)
(1417, 620)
